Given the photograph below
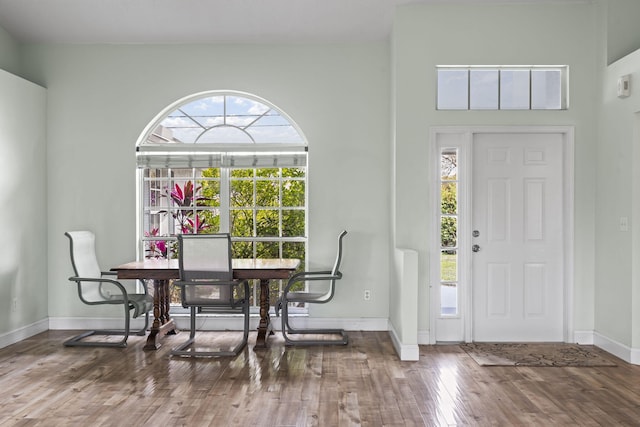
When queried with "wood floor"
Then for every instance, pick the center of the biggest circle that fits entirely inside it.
(43, 383)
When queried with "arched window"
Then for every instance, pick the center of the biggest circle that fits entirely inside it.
(223, 162)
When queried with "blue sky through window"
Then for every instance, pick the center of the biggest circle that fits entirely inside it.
(225, 119)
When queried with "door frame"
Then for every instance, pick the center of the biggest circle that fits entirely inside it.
(466, 134)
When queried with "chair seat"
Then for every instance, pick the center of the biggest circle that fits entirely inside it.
(306, 296)
(141, 303)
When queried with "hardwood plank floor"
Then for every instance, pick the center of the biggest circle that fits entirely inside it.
(43, 383)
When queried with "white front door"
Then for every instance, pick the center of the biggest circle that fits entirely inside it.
(517, 221)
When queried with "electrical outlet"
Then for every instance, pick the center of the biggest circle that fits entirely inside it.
(367, 294)
(14, 306)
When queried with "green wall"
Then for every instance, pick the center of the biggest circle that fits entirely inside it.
(100, 98)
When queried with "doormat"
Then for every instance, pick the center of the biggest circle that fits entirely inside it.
(536, 354)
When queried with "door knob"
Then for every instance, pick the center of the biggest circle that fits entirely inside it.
(475, 248)
(476, 233)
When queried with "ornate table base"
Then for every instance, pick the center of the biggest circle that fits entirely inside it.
(162, 324)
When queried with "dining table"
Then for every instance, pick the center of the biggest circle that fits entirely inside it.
(162, 271)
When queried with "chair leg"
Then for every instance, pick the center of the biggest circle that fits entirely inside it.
(77, 341)
(288, 330)
(185, 350)
(142, 332)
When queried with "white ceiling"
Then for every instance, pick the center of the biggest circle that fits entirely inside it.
(202, 21)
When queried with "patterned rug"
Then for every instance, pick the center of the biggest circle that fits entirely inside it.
(536, 354)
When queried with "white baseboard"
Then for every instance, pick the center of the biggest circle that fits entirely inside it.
(406, 352)
(220, 322)
(628, 354)
(624, 352)
(424, 338)
(23, 333)
(583, 337)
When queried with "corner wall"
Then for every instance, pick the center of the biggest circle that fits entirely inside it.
(23, 217)
(617, 309)
(9, 53)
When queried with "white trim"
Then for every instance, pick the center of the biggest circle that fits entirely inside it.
(582, 337)
(568, 198)
(424, 338)
(24, 332)
(628, 354)
(406, 352)
(213, 322)
(88, 323)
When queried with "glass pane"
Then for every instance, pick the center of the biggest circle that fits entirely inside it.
(267, 172)
(546, 89)
(449, 299)
(453, 89)
(210, 191)
(267, 193)
(448, 266)
(293, 173)
(242, 250)
(293, 193)
(267, 250)
(156, 248)
(242, 223)
(448, 231)
(267, 222)
(514, 89)
(241, 193)
(483, 89)
(449, 165)
(242, 173)
(449, 198)
(294, 250)
(293, 223)
(208, 221)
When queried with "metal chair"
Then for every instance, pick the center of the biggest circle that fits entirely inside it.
(206, 284)
(95, 289)
(289, 295)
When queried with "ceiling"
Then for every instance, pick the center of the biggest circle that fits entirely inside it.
(203, 21)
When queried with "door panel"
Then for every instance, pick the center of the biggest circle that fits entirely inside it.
(518, 210)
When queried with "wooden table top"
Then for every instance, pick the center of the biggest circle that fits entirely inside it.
(155, 268)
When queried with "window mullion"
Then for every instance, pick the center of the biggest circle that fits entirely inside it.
(225, 201)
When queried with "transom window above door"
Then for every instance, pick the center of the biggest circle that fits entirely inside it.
(502, 87)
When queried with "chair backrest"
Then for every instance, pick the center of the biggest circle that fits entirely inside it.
(85, 264)
(336, 266)
(205, 256)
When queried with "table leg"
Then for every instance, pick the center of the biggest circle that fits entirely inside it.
(264, 328)
(162, 322)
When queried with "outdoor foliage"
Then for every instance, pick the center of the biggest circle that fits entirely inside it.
(448, 228)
